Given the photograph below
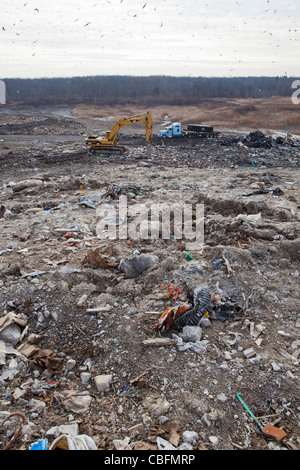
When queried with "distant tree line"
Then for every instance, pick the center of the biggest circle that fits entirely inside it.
(151, 90)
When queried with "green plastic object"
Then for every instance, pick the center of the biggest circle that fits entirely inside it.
(188, 256)
(249, 411)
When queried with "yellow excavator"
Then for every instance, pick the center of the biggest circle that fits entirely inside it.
(109, 142)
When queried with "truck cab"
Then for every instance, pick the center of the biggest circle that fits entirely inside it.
(174, 130)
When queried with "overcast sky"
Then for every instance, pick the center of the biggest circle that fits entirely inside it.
(65, 38)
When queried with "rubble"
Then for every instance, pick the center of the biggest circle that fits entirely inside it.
(91, 350)
(258, 139)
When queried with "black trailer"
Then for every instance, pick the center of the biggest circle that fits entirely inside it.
(199, 130)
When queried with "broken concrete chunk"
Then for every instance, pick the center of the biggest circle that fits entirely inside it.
(103, 381)
(78, 404)
(2, 353)
(11, 327)
(191, 333)
(122, 444)
(248, 353)
(156, 406)
(11, 334)
(70, 429)
(190, 437)
(11, 371)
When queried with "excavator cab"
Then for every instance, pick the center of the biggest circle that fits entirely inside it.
(109, 142)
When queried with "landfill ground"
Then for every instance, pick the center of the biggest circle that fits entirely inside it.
(70, 318)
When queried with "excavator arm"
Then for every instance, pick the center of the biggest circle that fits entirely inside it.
(110, 140)
(113, 134)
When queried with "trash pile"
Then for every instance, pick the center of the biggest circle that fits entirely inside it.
(135, 343)
(258, 139)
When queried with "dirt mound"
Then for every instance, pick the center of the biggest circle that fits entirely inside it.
(271, 114)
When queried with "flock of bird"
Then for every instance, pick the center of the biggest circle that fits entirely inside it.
(123, 30)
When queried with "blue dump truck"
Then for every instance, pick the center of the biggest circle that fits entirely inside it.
(192, 130)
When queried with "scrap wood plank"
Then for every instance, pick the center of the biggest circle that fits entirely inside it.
(158, 342)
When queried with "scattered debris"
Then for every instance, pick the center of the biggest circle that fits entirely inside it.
(69, 442)
(166, 320)
(137, 265)
(274, 192)
(103, 342)
(201, 304)
(268, 430)
(98, 257)
(258, 139)
(87, 203)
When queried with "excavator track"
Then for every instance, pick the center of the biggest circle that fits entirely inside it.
(107, 148)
